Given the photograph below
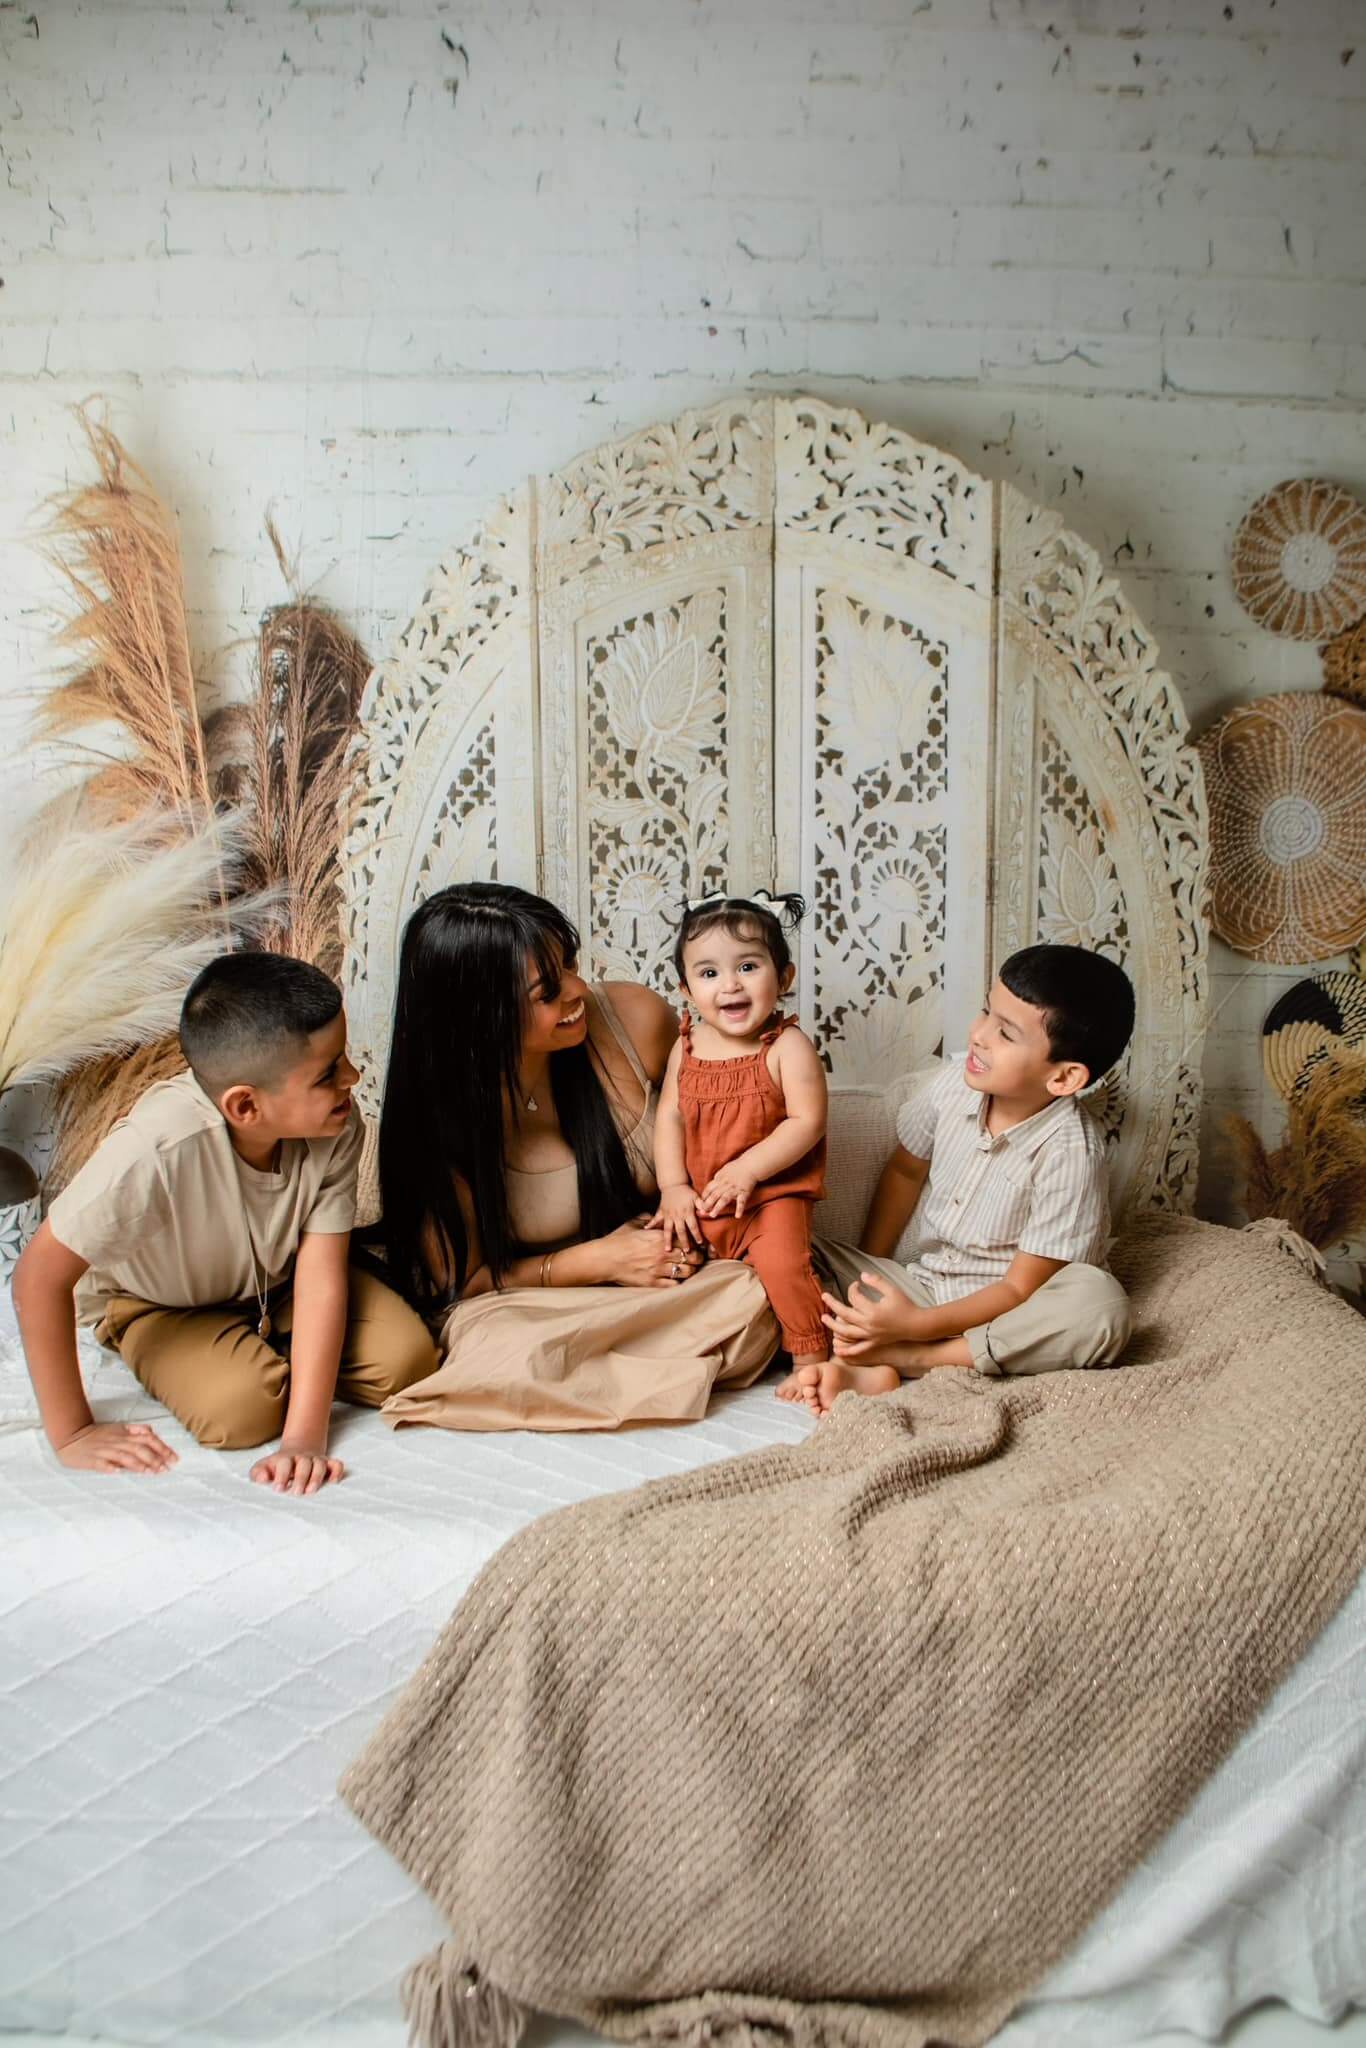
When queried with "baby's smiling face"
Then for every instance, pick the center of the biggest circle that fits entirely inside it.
(731, 981)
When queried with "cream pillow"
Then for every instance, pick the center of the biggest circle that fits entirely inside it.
(861, 1138)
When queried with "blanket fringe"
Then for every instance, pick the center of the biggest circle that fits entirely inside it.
(1278, 1232)
(447, 2004)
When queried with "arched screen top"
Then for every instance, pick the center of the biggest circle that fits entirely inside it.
(773, 643)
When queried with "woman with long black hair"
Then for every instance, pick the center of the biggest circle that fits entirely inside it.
(517, 1181)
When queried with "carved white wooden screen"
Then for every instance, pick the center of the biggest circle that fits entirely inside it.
(882, 609)
(1100, 834)
(447, 789)
(654, 575)
(772, 644)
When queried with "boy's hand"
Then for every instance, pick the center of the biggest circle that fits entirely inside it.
(295, 1468)
(875, 1314)
(730, 1187)
(676, 1216)
(116, 1447)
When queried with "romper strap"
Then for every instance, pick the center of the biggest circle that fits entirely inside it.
(621, 1035)
(775, 1030)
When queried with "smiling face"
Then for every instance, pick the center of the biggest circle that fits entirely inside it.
(311, 1098)
(556, 1011)
(731, 981)
(1009, 1056)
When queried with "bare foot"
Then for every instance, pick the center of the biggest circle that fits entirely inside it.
(909, 1361)
(808, 1378)
(794, 1387)
(837, 1378)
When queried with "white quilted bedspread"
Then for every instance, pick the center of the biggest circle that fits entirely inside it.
(189, 1662)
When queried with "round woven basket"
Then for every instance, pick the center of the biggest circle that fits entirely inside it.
(1286, 783)
(1299, 559)
(1343, 659)
(1323, 1018)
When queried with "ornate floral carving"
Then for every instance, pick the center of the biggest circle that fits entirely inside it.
(655, 686)
(465, 836)
(852, 479)
(882, 691)
(651, 635)
(1093, 660)
(706, 472)
(426, 760)
(1080, 899)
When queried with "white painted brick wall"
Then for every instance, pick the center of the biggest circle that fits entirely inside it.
(369, 264)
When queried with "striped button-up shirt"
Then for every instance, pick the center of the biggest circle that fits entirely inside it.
(1039, 1187)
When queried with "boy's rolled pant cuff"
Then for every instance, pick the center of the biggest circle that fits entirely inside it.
(978, 1342)
(1079, 1318)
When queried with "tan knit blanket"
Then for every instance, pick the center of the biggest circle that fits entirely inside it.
(847, 1741)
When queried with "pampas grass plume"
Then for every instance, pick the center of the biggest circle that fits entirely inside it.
(1315, 1179)
(102, 929)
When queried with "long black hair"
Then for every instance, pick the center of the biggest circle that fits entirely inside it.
(469, 954)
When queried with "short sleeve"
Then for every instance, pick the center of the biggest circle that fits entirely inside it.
(1068, 1208)
(334, 1205)
(119, 1195)
(917, 1120)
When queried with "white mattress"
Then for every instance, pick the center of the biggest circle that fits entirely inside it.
(189, 1662)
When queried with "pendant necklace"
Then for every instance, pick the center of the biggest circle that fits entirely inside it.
(258, 1275)
(258, 1281)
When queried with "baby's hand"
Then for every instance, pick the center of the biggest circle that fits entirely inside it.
(677, 1217)
(729, 1188)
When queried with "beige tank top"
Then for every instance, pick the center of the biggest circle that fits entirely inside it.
(543, 1207)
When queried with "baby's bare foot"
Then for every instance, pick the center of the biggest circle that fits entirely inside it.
(836, 1378)
(789, 1389)
(808, 1378)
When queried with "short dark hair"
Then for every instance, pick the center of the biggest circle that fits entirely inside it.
(741, 918)
(248, 1017)
(1087, 1002)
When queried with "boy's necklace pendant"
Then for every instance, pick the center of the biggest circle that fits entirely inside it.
(263, 1328)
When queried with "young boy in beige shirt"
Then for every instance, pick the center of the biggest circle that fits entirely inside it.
(1010, 1272)
(207, 1240)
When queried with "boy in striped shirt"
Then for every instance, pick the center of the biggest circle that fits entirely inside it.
(1009, 1275)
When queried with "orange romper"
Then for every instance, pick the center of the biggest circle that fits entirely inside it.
(727, 1106)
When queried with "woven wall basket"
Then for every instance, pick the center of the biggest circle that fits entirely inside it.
(1323, 1018)
(1343, 660)
(1299, 559)
(1286, 783)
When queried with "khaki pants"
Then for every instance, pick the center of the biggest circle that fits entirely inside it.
(1080, 1317)
(230, 1387)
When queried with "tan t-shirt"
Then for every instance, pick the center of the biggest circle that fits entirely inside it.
(167, 1211)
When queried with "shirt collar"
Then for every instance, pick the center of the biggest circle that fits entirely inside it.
(1028, 1136)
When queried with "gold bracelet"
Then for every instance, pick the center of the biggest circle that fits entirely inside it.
(545, 1269)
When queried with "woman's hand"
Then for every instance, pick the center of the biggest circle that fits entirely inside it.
(676, 1216)
(636, 1255)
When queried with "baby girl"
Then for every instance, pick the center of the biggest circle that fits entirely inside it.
(740, 1134)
